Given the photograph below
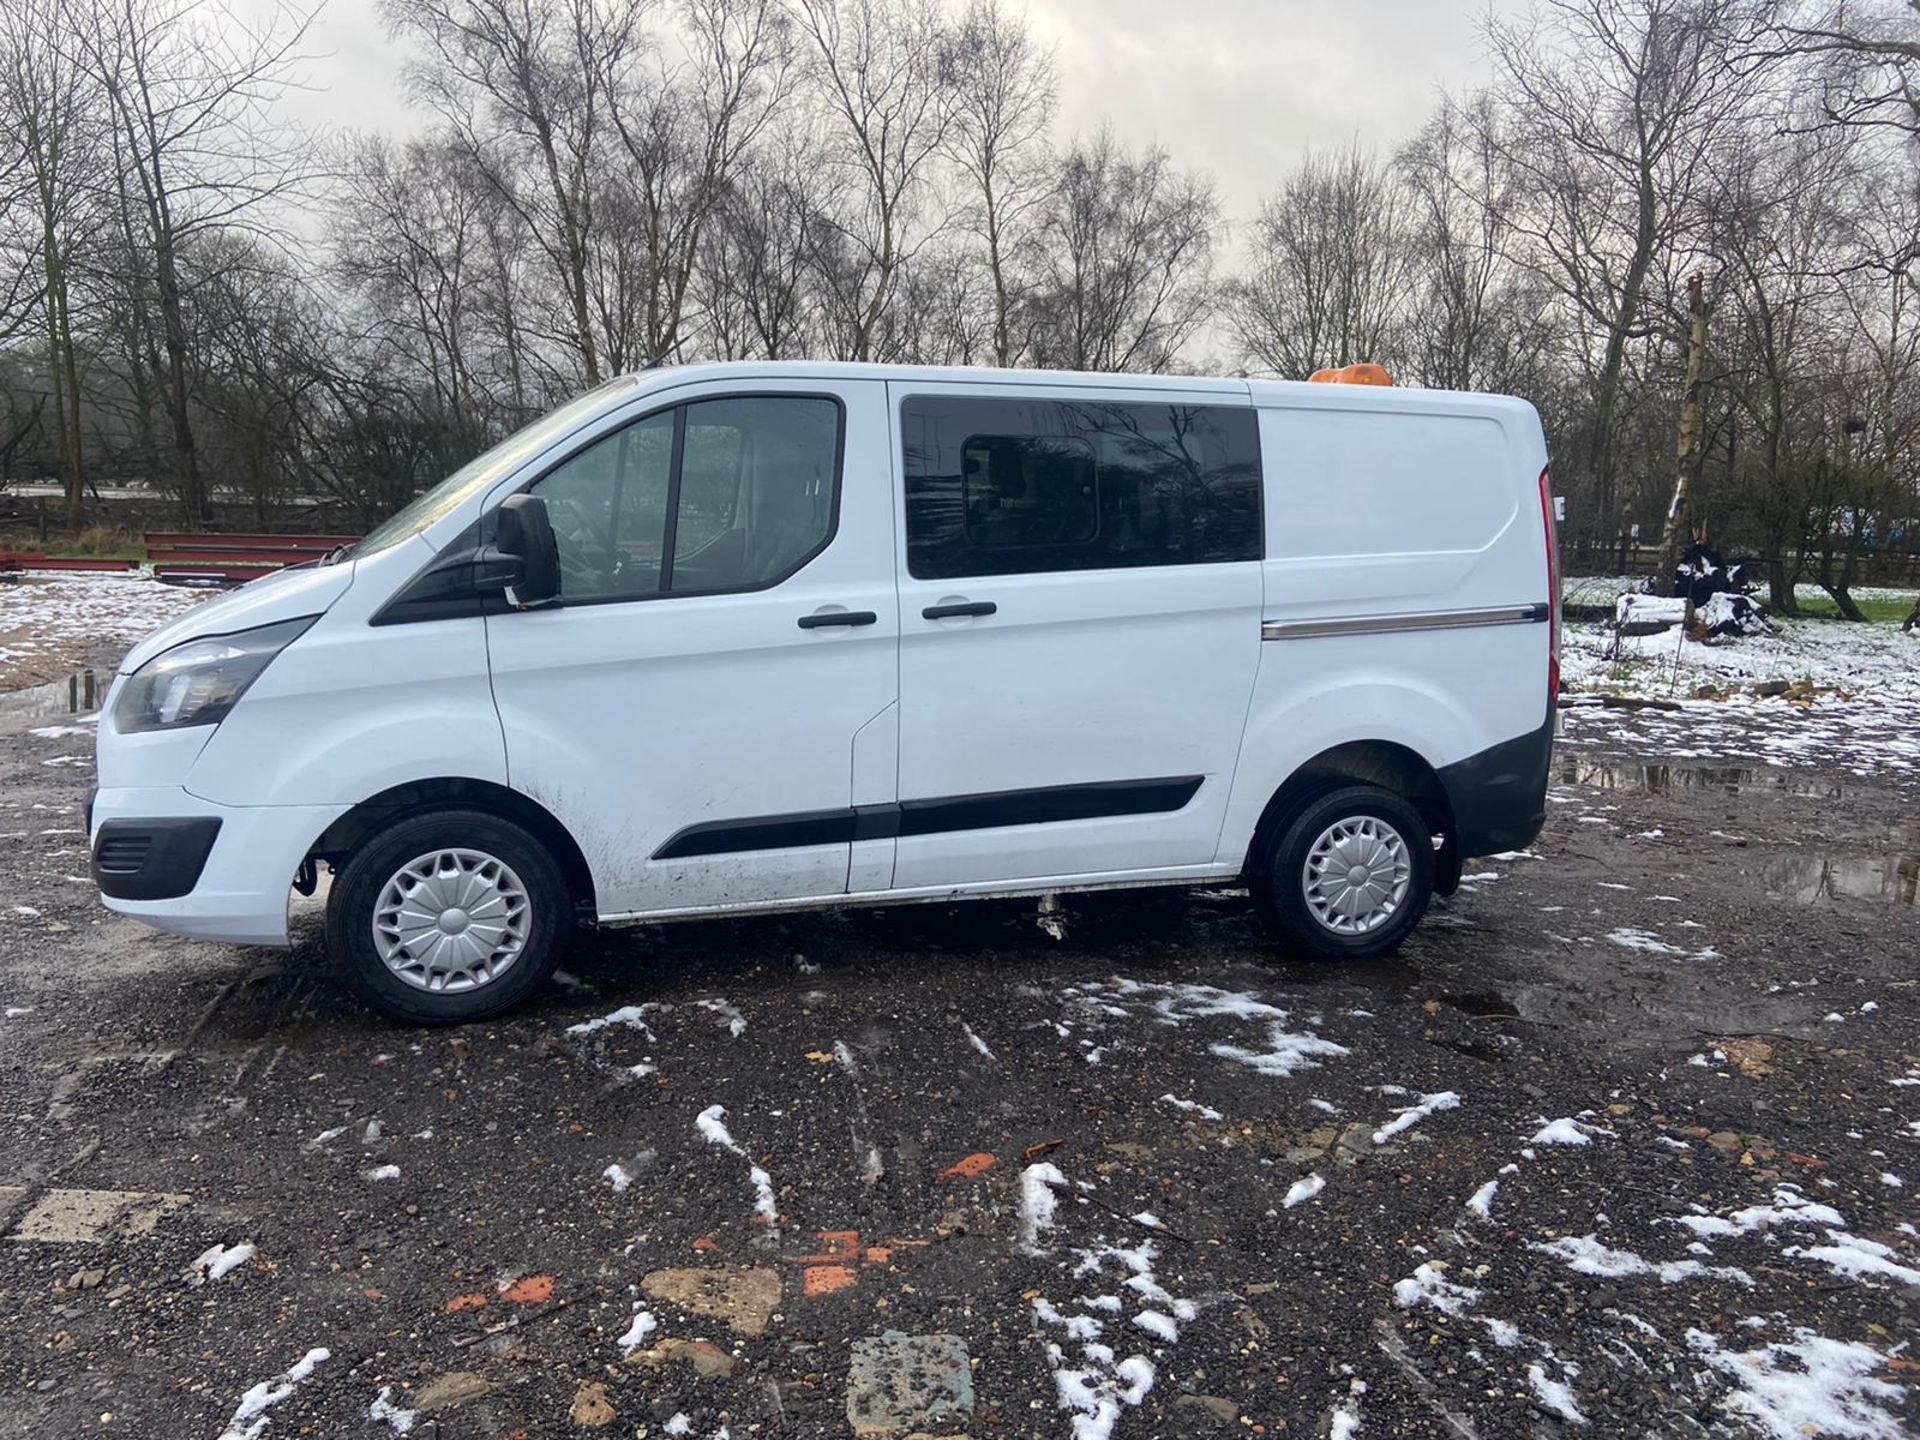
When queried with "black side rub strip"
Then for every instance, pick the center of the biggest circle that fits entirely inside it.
(934, 817)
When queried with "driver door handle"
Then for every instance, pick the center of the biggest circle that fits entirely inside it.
(821, 619)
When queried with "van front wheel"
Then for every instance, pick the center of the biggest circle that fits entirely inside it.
(1349, 875)
(448, 917)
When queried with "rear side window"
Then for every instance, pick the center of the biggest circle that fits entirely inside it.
(714, 496)
(1000, 486)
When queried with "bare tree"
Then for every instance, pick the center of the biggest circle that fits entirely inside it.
(1328, 261)
(1004, 92)
(756, 262)
(52, 140)
(1865, 56)
(686, 131)
(1128, 275)
(191, 90)
(1612, 110)
(880, 67)
(523, 85)
(1475, 319)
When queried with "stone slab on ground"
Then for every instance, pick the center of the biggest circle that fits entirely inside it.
(900, 1383)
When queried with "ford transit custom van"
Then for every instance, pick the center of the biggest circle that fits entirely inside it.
(751, 637)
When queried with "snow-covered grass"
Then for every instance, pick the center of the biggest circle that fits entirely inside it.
(1857, 705)
(49, 622)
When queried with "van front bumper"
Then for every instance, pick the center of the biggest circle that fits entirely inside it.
(190, 867)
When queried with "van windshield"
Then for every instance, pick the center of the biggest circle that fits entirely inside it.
(481, 471)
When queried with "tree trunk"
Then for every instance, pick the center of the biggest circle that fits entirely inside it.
(1688, 453)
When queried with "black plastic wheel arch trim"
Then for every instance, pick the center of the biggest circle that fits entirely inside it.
(1499, 795)
(992, 811)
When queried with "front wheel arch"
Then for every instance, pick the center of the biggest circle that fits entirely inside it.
(345, 835)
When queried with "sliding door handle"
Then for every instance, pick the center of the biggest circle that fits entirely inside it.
(821, 619)
(958, 609)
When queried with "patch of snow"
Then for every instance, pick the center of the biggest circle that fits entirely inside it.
(643, 1325)
(1857, 1258)
(1811, 1385)
(1159, 1326)
(679, 1424)
(1645, 940)
(1569, 1131)
(382, 1172)
(1194, 1107)
(978, 1043)
(1427, 1286)
(383, 1409)
(633, 1017)
(1302, 1191)
(1415, 1113)
(1586, 1255)
(736, 1022)
(250, 1416)
(618, 1176)
(1038, 1203)
(1554, 1395)
(1481, 1201)
(220, 1260)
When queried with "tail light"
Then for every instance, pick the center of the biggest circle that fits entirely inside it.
(1553, 592)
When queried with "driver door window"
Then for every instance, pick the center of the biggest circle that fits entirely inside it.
(720, 495)
(608, 505)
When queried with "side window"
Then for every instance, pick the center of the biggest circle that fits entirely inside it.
(608, 504)
(757, 490)
(717, 495)
(1005, 487)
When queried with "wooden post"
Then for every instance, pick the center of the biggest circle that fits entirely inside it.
(1687, 456)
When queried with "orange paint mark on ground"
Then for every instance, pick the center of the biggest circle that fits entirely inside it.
(825, 1279)
(879, 1254)
(465, 1302)
(530, 1290)
(970, 1168)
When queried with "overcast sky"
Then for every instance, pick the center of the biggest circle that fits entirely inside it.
(1234, 87)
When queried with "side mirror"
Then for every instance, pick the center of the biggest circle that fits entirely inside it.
(523, 538)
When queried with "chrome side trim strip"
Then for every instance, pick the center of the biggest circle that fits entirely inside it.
(1536, 614)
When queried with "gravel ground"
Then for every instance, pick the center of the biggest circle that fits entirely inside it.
(1623, 1143)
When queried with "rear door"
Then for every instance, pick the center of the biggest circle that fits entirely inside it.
(1080, 599)
(714, 691)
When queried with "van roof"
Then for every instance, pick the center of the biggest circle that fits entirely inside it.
(1289, 393)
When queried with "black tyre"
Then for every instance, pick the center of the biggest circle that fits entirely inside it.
(1347, 875)
(448, 916)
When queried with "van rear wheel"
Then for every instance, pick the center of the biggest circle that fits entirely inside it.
(1349, 875)
(448, 917)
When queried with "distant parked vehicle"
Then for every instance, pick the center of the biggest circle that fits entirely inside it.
(757, 637)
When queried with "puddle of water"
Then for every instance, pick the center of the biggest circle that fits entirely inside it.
(79, 694)
(1669, 779)
(1891, 879)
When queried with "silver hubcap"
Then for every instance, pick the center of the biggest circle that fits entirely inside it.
(1356, 875)
(451, 920)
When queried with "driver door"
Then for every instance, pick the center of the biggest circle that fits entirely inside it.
(713, 693)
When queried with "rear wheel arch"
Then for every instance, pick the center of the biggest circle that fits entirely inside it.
(1385, 763)
(378, 812)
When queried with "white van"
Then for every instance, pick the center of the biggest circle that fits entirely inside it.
(753, 637)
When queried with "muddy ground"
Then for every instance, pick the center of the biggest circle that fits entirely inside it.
(1151, 1178)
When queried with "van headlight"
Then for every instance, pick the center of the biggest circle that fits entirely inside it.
(198, 682)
